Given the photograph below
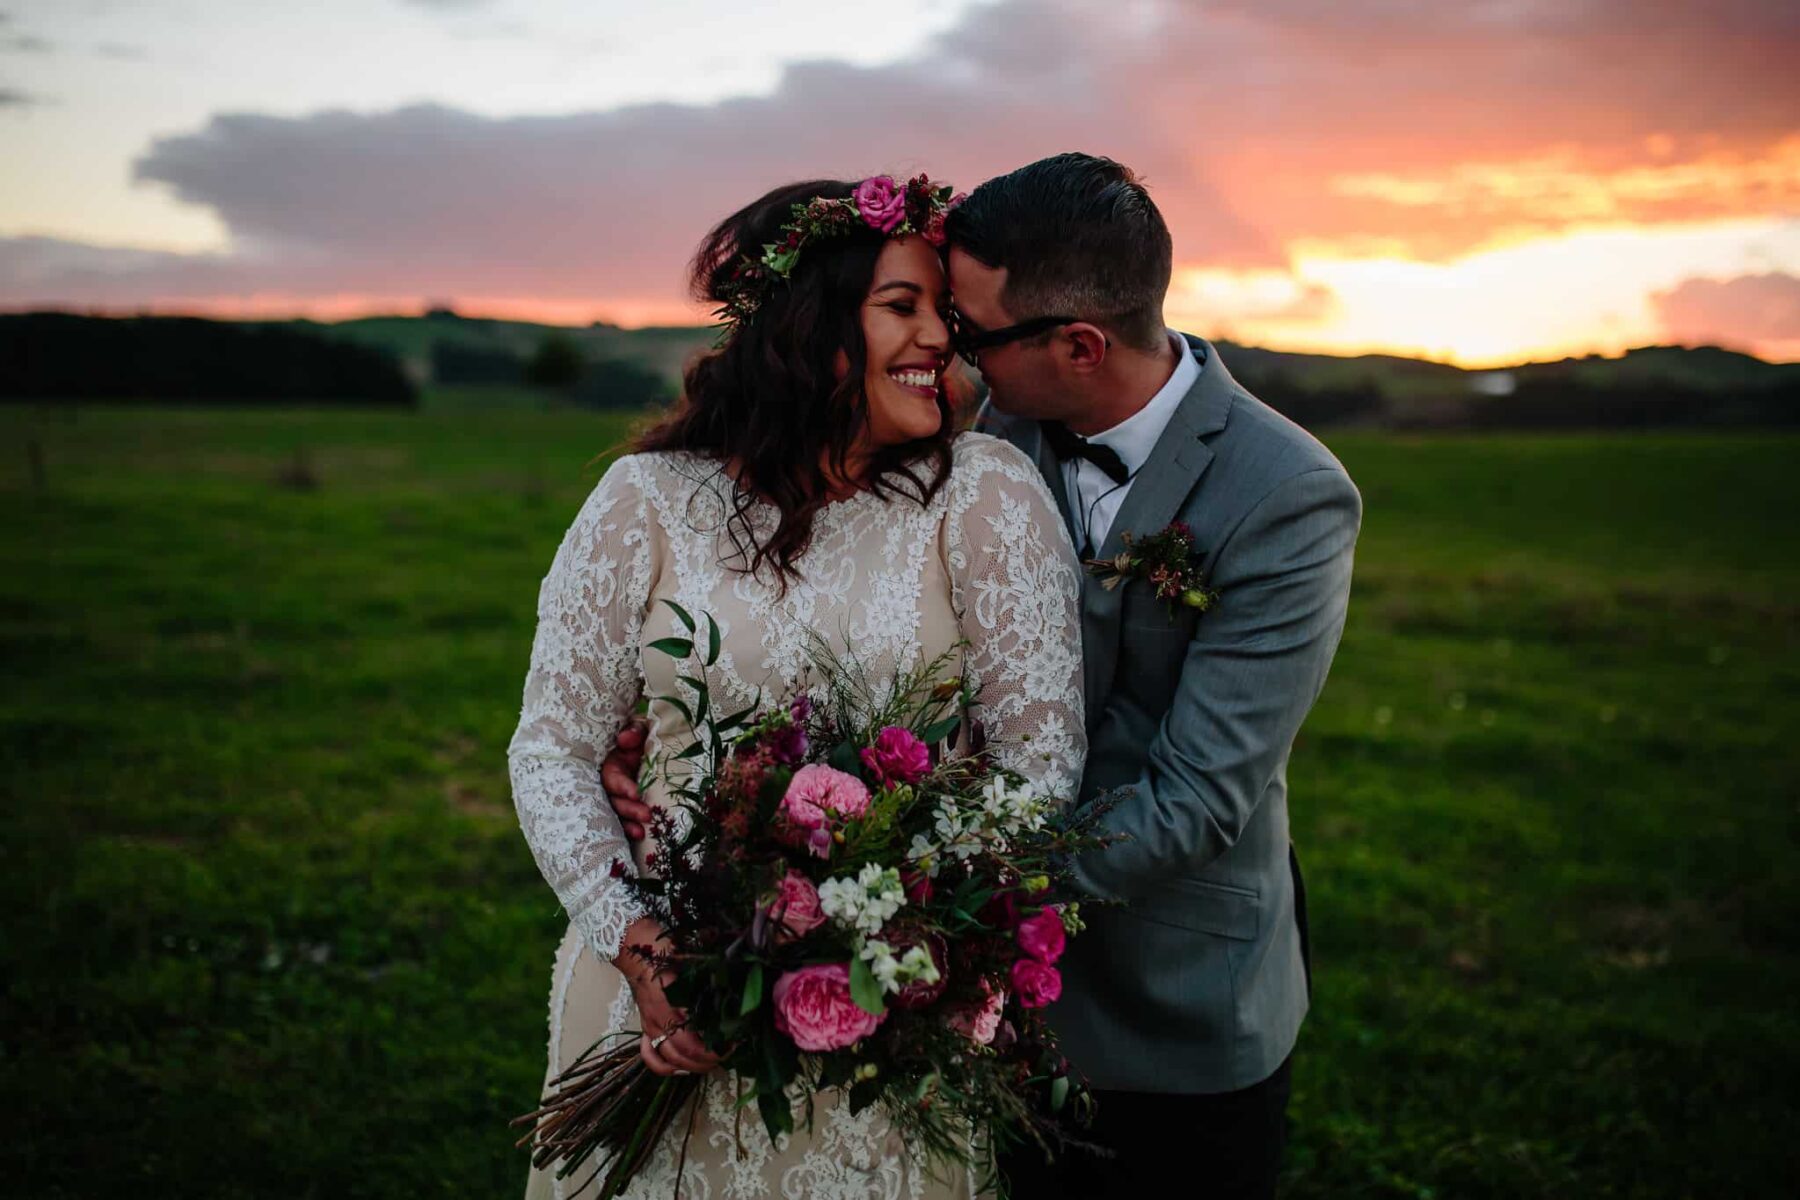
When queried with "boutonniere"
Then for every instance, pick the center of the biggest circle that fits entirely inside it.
(1166, 561)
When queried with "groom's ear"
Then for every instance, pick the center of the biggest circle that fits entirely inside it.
(1085, 346)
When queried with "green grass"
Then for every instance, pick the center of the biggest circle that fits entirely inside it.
(273, 930)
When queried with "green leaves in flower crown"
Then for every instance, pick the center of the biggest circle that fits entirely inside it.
(780, 260)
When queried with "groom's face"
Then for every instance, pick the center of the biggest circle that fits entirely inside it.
(1021, 376)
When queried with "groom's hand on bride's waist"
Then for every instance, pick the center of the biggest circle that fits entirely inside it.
(618, 775)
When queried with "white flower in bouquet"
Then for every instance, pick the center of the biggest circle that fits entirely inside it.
(923, 851)
(866, 902)
(958, 833)
(895, 972)
(1012, 809)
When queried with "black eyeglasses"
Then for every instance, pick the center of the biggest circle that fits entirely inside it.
(970, 340)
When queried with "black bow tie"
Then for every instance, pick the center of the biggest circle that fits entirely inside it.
(1066, 445)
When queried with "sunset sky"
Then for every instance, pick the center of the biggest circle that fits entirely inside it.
(1480, 182)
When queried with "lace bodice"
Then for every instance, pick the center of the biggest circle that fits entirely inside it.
(889, 581)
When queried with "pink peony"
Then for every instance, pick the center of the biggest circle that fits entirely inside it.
(813, 1007)
(982, 1024)
(796, 905)
(1042, 936)
(882, 202)
(1037, 983)
(817, 791)
(897, 757)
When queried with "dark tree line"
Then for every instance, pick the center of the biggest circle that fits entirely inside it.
(558, 364)
(62, 356)
(1553, 403)
(1315, 408)
(1535, 403)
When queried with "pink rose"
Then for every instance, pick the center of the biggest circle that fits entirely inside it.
(897, 757)
(982, 1024)
(882, 202)
(814, 1008)
(817, 791)
(1037, 983)
(796, 906)
(1042, 936)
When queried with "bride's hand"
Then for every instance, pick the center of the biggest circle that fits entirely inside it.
(667, 1048)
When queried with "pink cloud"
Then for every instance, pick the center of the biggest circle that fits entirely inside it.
(1758, 312)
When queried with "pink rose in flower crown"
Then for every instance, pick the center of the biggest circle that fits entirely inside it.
(1037, 983)
(882, 202)
(1043, 937)
(897, 756)
(980, 1025)
(796, 906)
(934, 227)
(814, 1008)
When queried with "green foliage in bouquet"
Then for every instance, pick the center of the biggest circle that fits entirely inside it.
(863, 900)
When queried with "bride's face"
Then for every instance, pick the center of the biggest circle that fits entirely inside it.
(906, 340)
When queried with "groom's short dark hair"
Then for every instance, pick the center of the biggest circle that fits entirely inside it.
(1078, 236)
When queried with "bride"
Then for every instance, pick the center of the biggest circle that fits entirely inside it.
(809, 485)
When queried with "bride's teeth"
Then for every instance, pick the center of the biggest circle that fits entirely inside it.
(916, 378)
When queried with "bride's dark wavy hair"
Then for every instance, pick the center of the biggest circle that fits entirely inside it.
(770, 399)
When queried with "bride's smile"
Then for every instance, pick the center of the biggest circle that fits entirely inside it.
(906, 341)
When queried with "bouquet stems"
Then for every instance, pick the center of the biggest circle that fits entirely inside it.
(607, 1100)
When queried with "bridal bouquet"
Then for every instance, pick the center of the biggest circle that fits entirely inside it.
(855, 910)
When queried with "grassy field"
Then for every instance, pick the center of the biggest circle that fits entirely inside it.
(272, 930)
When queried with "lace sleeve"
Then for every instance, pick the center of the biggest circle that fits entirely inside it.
(581, 687)
(1014, 583)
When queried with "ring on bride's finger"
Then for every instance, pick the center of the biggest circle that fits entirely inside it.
(657, 1041)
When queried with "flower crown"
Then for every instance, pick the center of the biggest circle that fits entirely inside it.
(919, 206)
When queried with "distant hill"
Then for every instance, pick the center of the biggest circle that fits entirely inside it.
(664, 350)
(1707, 368)
(479, 362)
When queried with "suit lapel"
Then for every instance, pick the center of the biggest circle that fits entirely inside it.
(1051, 468)
(1157, 493)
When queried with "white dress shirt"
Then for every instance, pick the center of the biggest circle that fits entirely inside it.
(1093, 497)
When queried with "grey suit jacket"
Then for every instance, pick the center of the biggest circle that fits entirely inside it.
(1197, 984)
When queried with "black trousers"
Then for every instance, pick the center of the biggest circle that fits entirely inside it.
(1225, 1146)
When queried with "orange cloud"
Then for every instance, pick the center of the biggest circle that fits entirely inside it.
(1272, 133)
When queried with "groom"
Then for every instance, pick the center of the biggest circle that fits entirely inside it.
(1181, 1006)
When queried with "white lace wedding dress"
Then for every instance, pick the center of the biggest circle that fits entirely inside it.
(896, 583)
